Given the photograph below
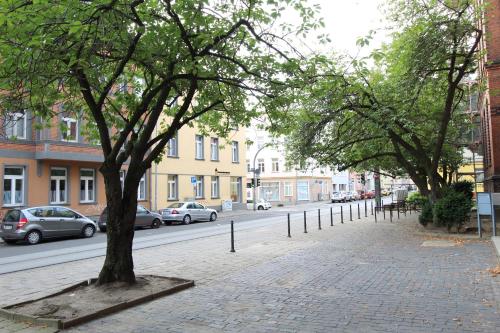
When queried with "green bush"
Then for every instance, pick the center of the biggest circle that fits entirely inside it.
(453, 209)
(416, 199)
(464, 186)
(426, 214)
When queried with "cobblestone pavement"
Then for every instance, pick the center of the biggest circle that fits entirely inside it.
(355, 277)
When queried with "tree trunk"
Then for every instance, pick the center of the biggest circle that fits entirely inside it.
(122, 207)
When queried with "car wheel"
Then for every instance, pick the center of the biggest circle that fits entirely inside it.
(260, 208)
(102, 229)
(186, 219)
(33, 237)
(88, 231)
(10, 241)
(213, 217)
(155, 224)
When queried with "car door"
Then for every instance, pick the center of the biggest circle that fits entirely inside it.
(191, 211)
(68, 221)
(201, 212)
(142, 217)
(45, 218)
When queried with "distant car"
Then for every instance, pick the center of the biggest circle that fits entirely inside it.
(259, 205)
(186, 212)
(367, 194)
(143, 218)
(354, 195)
(37, 223)
(338, 197)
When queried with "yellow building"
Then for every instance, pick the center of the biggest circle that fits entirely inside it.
(207, 169)
(466, 172)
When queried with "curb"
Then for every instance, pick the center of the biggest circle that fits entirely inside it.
(496, 245)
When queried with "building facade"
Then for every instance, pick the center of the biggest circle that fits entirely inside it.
(53, 165)
(279, 182)
(489, 101)
(204, 168)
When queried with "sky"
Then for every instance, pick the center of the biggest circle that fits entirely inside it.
(347, 20)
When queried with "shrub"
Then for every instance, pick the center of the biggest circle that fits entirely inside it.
(464, 186)
(416, 199)
(453, 209)
(426, 214)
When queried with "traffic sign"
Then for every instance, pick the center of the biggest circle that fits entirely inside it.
(193, 180)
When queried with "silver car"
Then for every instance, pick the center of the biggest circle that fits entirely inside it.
(186, 212)
(37, 223)
(143, 218)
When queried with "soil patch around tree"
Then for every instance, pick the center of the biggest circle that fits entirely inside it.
(86, 301)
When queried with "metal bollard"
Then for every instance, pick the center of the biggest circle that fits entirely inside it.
(371, 205)
(305, 223)
(366, 209)
(331, 216)
(342, 214)
(375, 214)
(232, 236)
(390, 213)
(410, 208)
(319, 219)
(350, 212)
(383, 209)
(398, 212)
(289, 235)
(359, 214)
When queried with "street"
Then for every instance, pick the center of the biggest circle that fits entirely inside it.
(21, 256)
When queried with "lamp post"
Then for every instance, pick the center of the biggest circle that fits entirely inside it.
(255, 175)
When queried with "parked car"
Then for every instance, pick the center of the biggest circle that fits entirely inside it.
(143, 218)
(338, 197)
(260, 204)
(186, 212)
(367, 194)
(37, 223)
(355, 195)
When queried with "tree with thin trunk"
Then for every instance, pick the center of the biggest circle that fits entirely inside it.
(130, 67)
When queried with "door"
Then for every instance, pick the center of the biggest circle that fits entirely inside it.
(46, 218)
(192, 211)
(201, 212)
(142, 217)
(68, 221)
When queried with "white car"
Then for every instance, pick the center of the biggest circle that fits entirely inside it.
(338, 197)
(260, 204)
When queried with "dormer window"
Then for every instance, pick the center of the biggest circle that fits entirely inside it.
(69, 131)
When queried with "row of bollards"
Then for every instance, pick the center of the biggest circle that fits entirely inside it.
(373, 212)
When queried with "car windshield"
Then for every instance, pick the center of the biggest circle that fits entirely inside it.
(176, 205)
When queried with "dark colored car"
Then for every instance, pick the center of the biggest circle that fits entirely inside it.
(37, 223)
(143, 218)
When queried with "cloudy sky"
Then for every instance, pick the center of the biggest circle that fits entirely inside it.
(346, 20)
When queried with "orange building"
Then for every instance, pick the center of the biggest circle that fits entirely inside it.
(54, 165)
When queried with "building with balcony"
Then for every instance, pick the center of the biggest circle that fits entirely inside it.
(53, 164)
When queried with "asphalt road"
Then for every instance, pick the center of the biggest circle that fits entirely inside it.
(21, 256)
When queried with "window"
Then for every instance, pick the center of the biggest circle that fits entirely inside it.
(215, 187)
(288, 189)
(302, 190)
(58, 188)
(270, 191)
(235, 152)
(214, 149)
(173, 146)
(199, 147)
(236, 189)
(13, 186)
(87, 188)
(199, 187)
(69, 129)
(172, 187)
(15, 125)
(141, 191)
(275, 165)
(261, 165)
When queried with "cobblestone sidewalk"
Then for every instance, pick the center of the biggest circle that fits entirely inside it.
(355, 277)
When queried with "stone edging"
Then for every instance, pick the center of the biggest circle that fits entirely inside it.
(62, 324)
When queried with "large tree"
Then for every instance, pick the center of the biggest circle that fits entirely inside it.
(123, 65)
(401, 112)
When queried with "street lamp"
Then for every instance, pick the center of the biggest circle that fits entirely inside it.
(255, 174)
